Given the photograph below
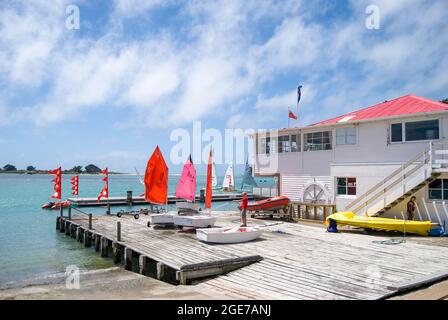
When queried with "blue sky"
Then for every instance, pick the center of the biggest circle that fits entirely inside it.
(135, 70)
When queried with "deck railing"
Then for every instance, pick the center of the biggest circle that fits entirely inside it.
(404, 179)
(311, 211)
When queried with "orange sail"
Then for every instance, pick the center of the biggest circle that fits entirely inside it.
(208, 187)
(156, 179)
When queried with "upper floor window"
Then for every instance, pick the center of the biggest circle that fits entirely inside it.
(295, 143)
(345, 136)
(422, 130)
(284, 144)
(415, 131)
(315, 141)
(288, 144)
(264, 146)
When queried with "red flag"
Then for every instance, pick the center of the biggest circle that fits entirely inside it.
(75, 185)
(55, 171)
(292, 115)
(156, 179)
(208, 187)
(105, 192)
(57, 183)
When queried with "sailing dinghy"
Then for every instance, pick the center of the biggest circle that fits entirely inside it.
(228, 235)
(200, 220)
(186, 189)
(156, 187)
(228, 183)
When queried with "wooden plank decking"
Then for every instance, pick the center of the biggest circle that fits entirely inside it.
(294, 261)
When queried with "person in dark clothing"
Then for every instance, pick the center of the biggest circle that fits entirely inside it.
(411, 208)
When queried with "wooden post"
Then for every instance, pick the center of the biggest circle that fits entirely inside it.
(325, 212)
(90, 221)
(58, 223)
(62, 225)
(129, 198)
(128, 258)
(116, 252)
(315, 212)
(67, 227)
(79, 234)
(70, 213)
(87, 239)
(142, 264)
(160, 270)
(97, 242)
(108, 207)
(307, 214)
(72, 230)
(61, 210)
(118, 231)
(103, 246)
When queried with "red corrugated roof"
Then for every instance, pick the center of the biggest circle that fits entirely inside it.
(406, 105)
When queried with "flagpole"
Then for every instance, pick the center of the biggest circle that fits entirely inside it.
(288, 116)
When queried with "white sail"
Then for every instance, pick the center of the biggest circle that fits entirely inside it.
(229, 182)
(214, 178)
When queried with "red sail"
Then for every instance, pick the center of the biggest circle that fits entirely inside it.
(208, 188)
(156, 179)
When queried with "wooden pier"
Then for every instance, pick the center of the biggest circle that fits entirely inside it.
(289, 261)
(122, 201)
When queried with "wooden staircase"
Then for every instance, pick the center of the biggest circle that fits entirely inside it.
(403, 182)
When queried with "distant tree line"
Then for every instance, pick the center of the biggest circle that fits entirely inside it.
(91, 169)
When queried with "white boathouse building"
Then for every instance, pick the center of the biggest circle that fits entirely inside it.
(370, 161)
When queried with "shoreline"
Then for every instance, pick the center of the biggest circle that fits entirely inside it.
(106, 284)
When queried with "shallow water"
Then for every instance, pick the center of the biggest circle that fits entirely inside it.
(29, 243)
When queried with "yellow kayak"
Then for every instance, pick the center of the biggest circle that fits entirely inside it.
(351, 219)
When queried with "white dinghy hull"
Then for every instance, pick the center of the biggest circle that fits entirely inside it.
(161, 218)
(198, 221)
(228, 235)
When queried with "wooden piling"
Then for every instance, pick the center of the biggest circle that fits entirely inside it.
(58, 223)
(128, 258)
(103, 246)
(67, 227)
(97, 242)
(87, 238)
(116, 252)
(90, 221)
(142, 264)
(160, 270)
(79, 234)
(70, 213)
(61, 225)
(73, 230)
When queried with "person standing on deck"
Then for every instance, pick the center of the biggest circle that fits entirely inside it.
(243, 207)
(411, 208)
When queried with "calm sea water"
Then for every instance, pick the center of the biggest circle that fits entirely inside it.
(29, 243)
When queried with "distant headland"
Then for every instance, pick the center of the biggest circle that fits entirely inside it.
(89, 169)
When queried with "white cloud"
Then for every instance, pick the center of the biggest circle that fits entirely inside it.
(218, 60)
